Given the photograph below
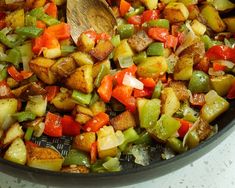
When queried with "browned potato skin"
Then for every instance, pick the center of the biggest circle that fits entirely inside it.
(180, 90)
(102, 50)
(193, 12)
(140, 41)
(84, 141)
(81, 79)
(63, 101)
(203, 129)
(64, 67)
(123, 121)
(75, 169)
(42, 68)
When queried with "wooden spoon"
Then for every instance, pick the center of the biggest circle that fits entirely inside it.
(87, 14)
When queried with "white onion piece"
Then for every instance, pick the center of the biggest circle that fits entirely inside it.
(132, 82)
(39, 129)
(226, 63)
(8, 121)
(212, 72)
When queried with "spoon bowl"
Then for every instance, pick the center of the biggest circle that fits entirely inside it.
(83, 15)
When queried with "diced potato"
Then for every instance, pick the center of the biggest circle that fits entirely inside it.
(8, 107)
(183, 68)
(193, 12)
(96, 67)
(84, 43)
(84, 141)
(212, 17)
(176, 12)
(170, 101)
(64, 67)
(15, 19)
(198, 27)
(107, 153)
(15, 131)
(123, 121)
(52, 53)
(84, 110)
(230, 23)
(41, 67)
(150, 4)
(98, 107)
(37, 104)
(188, 2)
(180, 90)
(63, 101)
(82, 118)
(102, 50)
(81, 79)
(202, 128)
(44, 158)
(82, 58)
(16, 152)
(152, 67)
(123, 50)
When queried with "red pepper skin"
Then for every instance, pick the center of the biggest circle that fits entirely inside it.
(135, 20)
(105, 89)
(171, 41)
(150, 15)
(120, 75)
(148, 82)
(69, 126)
(60, 31)
(51, 92)
(158, 33)
(93, 152)
(51, 10)
(146, 92)
(218, 67)
(231, 93)
(97, 122)
(124, 7)
(15, 74)
(185, 125)
(53, 125)
(221, 52)
(40, 24)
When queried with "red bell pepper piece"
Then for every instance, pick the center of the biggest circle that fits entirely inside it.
(130, 104)
(185, 125)
(135, 20)
(93, 152)
(150, 15)
(171, 41)
(53, 125)
(91, 34)
(50, 40)
(3, 24)
(120, 75)
(124, 7)
(221, 52)
(158, 33)
(69, 126)
(60, 31)
(105, 89)
(15, 74)
(98, 121)
(51, 92)
(218, 67)
(197, 99)
(146, 92)
(5, 90)
(40, 24)
(26, 74)
(51, 9)
(38, 44)
(231, 93)
(102, 36)
(148, 82)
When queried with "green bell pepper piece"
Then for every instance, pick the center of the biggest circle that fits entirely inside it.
(125, 61)
(76, 157)
(157, 90)
(29, 31)
(4, 40)
(139, 57)
(165, 127)
(81, 98)
(187, 113)
(40, 15)
(24, 116)
(192, 139)
(159, 23)
(136, 11)
(3, 73)
(65, 50)
(176, 145)
(116, 40)
(28, 134)
(13, 56)
(30, 20)
(103, 71)
(125, 30)
(112, 164)
(130, 136)
(209, 42)
(98, 166)
(95, 97)
(155, 49)
(149, 111)
(144, 138)
(199, 82)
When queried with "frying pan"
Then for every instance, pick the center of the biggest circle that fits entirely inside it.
(131, 172)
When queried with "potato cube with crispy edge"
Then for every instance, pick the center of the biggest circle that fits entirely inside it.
(123, 121)
(81, 79)
(102, 50)
(84, 43)
(176, 12)
(84, 141)
(42, 68)
(230, 23)
(15, 19)
(82, 58)
(122, 50)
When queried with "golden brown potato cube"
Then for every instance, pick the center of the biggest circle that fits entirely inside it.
(15, 19)
(176, 12)
(63, 101)
(107, 153)
(230, 23)
(64, 67)
(84, 110)
(180, 90)
(193, 12)
(82, 58)
(102, 50)
(42, 68)
(84, 141)
(15, 131)
(81, 79)
(44, 158)
(84, 43)
(123, 121)
(82, 118)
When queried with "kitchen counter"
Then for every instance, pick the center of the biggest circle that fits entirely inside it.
(216, 169)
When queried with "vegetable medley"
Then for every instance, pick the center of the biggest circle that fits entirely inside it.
(163, 78)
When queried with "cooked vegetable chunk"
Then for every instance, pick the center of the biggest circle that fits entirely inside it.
(102, 50)
(15, 131)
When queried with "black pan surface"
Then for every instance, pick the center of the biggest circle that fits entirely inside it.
(131, 173)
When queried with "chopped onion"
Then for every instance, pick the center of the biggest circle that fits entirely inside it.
(141, 154)
(167, 153)
(212, 72)
(211, 96)
(226, 63)
(132, 82)
(52, 53)
(8, 121)
(39, 129)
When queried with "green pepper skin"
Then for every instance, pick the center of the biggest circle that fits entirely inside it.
(125, 30)
(199, 82)
(81, 98)
(24, 116)
(176, 145)
(155, 49)
(76, 157)
(30, 31)
(130, 135)
(192, 139)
